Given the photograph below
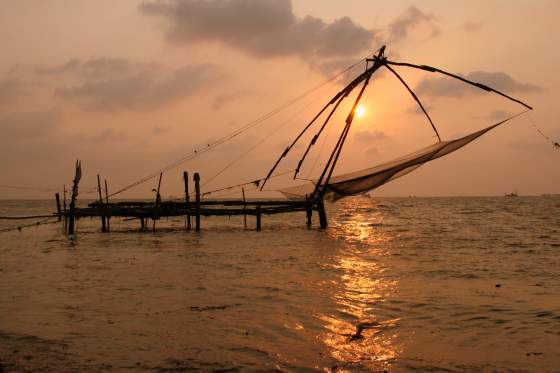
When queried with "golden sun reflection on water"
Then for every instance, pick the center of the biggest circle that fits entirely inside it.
(354, 335)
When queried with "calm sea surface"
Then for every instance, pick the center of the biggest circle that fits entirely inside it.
(433, 284)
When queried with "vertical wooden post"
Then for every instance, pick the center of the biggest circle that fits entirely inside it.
(187, 199)
(103, 227)
(197, 200)
(107, 205)
(155, 216)
(323, 223)
(142, 224)
(64, 206)
(244, 207)
(76, 182)
(309, 213)
(57, 196)
(258, 215)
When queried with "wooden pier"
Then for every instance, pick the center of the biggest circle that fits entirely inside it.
(144, 211)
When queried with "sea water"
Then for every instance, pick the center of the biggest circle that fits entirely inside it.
(394, 284)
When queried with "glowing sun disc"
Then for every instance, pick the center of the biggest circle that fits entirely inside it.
(360, 111)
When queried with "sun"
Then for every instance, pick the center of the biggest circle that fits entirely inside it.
(360, 111)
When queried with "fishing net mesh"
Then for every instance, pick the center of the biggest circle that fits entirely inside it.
(362, 181)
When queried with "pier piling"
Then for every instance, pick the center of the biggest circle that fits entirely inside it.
(197, 200)
(323, 223)
(103, 226)
(258, 215)
(57, 196)
(187, 199)
(107, 205)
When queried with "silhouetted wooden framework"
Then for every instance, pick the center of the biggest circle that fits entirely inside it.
(154, 210)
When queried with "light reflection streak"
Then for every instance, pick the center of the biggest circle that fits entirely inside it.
(355, 335)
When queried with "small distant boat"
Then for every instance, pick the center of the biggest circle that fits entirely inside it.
(513, 194)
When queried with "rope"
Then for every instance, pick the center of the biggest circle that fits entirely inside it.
(27, 217)
(233, 134)
(253, 182)
(265, 138)
(19, 228)
(555, 144)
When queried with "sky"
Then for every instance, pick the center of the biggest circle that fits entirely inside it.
(129, 87)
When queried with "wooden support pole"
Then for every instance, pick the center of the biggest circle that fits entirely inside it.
(197, 200)
(57, 196)
(106, 205)
(258, 215)
(76, 182)
(142, 224)
(187, 199)
(158, 201)
(103, 226)
(323, 223)
(244, 207)
(309, 213)
(64, 207)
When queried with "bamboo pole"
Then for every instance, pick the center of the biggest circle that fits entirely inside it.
(197, 201)
(187, 199)
(64, 206)
(107, 205)
(57, 196)
(158, 200)
(103, 225)
(75, 183)
(258, 214)
(244, 207)
(323, 222)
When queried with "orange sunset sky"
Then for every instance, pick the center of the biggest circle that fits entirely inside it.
(131, 86)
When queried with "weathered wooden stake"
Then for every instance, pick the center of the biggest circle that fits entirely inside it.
(244, 207)
(196, 179)
(103, 226)
(57, 196)
(323, 223)
(106, 205)
(76, 182)
(187, 199)
(258, 214)
(309, 213)
(158, 200)
(142, 224)
(64, 206)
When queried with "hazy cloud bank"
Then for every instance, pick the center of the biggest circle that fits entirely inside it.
(411, 19)
(261, 28)
(11, 89)
(109, 84)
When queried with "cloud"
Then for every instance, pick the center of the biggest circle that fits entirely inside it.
(71, 65)
(108, 135)
(371, 151)
(111, 84)
(11, 89)
(224, 99)
(495, 115)
(447, 87)
(29, 125)
(369, 136)
(417, 110)
(412, 19)
(260, 28)
(160, 130)
(471, 26)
